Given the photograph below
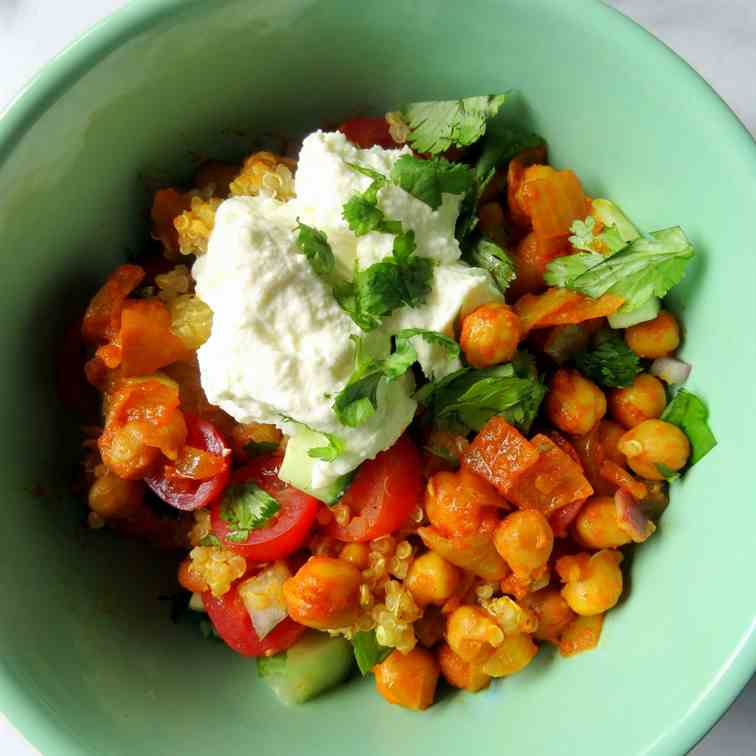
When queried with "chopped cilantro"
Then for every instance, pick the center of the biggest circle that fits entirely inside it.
(315, 247)
(647, 267)
(367, 651)
(436, 126)
(333, 448)
(690, 415)
(586, 237)
(361, 211)
(488, 255)
(611, 364)
(259, 448)
(358, 400)
(246, 507)
(210, 540)
(429, 180)
(466, 399)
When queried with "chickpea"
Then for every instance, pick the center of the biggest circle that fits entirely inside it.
(459, 503)
(644, 399)
(654, 338)
(582, 634)
(574, 404)
(552, 611)
(408, 679)
(472, 634)
(357, 554)
(112, 497)
(459, 673)
(324, 594)
(597, 527)
(432, 580)
(654, 443)
(593, 583)
(514, 654)
(524, 539)
(124, 452)
(189, 579)
(490, 335)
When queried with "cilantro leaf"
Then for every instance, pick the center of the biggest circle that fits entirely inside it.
(369, 172)
(361, 211)
(428, 180)
(436, 126)
(488, 255)
(333, 448)
(246, 507)
(611, 364)
(466, 399)
(259, 448)
(402, 279)
(357, 402)
(647, 267)
(367, 651)
(690, 415)
(585, 236)
(315, 247)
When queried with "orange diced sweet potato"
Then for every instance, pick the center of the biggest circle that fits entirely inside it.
(500, 454)
(584, 309)
(102, 320)
(554, 481)
(147, 342)
(533, 309)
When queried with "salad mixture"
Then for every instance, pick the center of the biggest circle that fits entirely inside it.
(402, 401)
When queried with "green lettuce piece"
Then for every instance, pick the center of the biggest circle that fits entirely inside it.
(690, 415)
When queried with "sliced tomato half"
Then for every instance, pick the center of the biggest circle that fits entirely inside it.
(187, 494)
(383, 494)
(368, 132)
(233, 623)
(291, 525)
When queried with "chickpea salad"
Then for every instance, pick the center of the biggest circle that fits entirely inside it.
(399, 403)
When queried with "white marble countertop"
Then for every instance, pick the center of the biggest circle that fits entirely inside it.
(717, 38)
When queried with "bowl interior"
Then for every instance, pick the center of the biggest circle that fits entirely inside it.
(90, 662)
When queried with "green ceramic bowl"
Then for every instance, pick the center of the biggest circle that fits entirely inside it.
(90, 663)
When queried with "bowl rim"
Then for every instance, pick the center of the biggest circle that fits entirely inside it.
(61, 72)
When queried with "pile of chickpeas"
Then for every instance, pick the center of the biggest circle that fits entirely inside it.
(483, 620)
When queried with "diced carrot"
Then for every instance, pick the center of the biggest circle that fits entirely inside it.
(533, 309)
(621, 478)
(562, 307)
(167, 204)
(146, 340)
(554, 481)
(582, 634)
(500, 454)
(554, 202)
(102, 320)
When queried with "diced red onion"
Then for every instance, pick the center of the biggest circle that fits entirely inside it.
(630, 517)
(263, 599)
(671, 370)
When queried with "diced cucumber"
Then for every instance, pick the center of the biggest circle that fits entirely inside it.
(296, 467)
(647, 311)
(607, 212)
(314, 664)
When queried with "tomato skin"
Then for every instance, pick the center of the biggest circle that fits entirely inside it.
(234, 625)
(368, 132)
(293, 521)
(189, 495)
(383, 494)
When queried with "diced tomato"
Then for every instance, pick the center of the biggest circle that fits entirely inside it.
(232, 622)
(146, 340)
(368, 132)
(554, 481)
(102, 319)
(183, 492)
(290, 527)
(500, 454)
(383, 494)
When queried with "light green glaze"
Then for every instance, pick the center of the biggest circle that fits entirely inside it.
(89, 662)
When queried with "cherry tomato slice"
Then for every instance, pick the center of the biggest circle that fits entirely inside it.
(383, 494)
(188, 494)
(233, 623)
(368, 132)
(291, 525)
